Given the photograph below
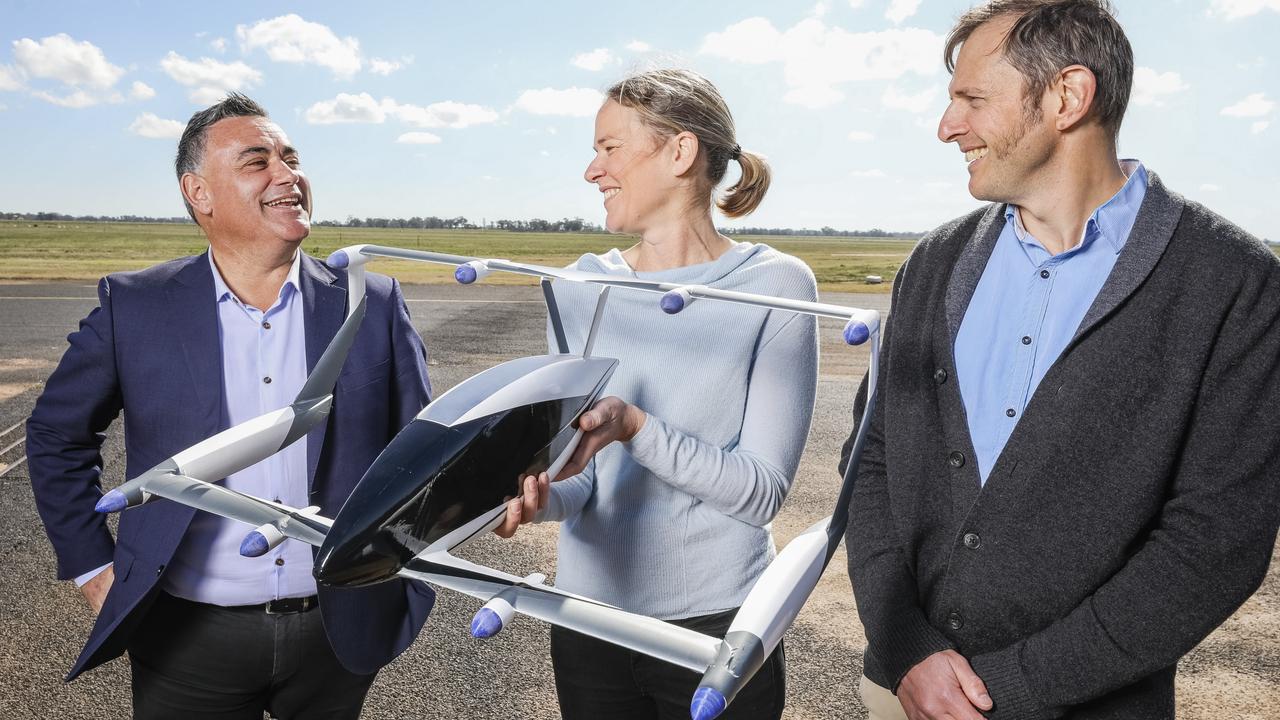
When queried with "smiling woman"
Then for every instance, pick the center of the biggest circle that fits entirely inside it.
(666, 503)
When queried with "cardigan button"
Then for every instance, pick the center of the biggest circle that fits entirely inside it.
(972, 541)
(955, 621)
(940, 375)
(956, 459)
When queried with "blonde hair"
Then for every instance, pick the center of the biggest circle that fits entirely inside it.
(673, 101)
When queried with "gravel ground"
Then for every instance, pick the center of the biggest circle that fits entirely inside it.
(1235, 673)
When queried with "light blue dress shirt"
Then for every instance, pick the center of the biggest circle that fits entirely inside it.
(1025, 310)
(264, 365)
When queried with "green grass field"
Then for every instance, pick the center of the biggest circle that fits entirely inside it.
(87, 251)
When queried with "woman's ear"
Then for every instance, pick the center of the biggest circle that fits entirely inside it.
(684, 152)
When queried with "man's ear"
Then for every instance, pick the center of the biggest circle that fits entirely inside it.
(1072, 96)
(196, 192)
(684, 152)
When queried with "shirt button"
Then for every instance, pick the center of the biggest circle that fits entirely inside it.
(1044, 274)
(956, 459)
(1010, 412)
(972, 541)
(279, 561)
(266, 325)
(940, 375)
(267, 380)
(954, 621)
(159, 571)
(1026, 339)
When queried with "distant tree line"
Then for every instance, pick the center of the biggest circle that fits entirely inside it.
(538, 225)
(60, 217)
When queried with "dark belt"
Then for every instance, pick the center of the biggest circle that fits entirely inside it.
(282, 606)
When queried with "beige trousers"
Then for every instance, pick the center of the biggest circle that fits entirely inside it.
(881, 703)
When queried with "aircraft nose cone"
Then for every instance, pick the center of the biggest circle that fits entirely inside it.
(352, 563)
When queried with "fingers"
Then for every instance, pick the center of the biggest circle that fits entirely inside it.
(933, 689)
(529, 500)
(510, 521)
(544, 490)
(974, 689)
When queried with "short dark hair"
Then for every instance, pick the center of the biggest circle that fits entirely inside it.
(191, 145)
(1050, 35)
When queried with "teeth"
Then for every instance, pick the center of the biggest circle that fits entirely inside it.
(611, 192)
(282, 202)
(974, 154)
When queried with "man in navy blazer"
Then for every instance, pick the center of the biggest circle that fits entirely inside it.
(161, 349)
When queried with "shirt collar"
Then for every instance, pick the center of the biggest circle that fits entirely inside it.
(1111, 221)
(222, 292)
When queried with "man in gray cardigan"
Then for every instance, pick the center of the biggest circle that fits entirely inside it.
(1071, 474)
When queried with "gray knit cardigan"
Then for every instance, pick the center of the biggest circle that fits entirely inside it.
(1133, 509)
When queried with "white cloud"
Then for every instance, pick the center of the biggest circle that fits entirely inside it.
(855, 4)
(141, 91)
(1236, 9)
(1151, 87)
(861, 136)
(418, 138)
(76, 100)
(818, 59)
(639, 46)
(596, 60)
(820, 9)
(149, 126)
(346, 108)
(574, 101)
(209, 79)
(381, 66)
(219, 44)
(872, 173)
(9, 78)
(1255, 105)
(363, 108)
(544, 153)
(1259, 126)
(900, 10)
(1209, 187)
(291, 39)
(912, 103)
(60, 57)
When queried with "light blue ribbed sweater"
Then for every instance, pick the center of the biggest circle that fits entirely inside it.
(675, 523)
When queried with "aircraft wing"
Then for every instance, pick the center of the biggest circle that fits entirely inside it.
(304, 525)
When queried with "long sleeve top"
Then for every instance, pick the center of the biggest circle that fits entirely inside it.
(675, 523)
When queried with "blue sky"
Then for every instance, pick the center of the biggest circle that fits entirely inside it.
(485, 109)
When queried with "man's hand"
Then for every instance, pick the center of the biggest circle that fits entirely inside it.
(610, 419)
(943, 687)
(95, 591)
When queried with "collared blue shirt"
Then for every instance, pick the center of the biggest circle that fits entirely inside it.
(264, 365)
(1025, 310)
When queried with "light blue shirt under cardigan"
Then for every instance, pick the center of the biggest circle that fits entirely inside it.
(1026, 308)
(256, 346)
(675, 523)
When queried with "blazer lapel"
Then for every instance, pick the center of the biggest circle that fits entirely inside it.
(324, 300)
(195, 322)
(1151, 233)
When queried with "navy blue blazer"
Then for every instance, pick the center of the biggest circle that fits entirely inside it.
(152, 349)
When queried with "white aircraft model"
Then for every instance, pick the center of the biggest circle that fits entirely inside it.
(444, 479)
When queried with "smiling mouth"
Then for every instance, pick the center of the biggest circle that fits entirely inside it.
(975, 154)
(285, 202)
(608, 194)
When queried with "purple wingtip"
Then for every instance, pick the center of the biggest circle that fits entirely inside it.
(254, 545)
(707, 704)
(856, 333)
(672, 302)
(485, 624)
(113, 501)
(339, 259)
(465, 274)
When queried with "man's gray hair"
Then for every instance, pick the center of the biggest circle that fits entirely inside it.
(191, 145)
(1050, 35)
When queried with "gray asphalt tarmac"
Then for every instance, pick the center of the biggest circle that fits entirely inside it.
(43, 622)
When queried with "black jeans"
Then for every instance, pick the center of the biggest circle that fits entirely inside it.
(192, 660)
(595, 679)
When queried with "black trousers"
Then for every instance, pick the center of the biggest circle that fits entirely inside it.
(595, 679)
(205, 662)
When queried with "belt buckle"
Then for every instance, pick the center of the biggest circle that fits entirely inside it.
(289, 606)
